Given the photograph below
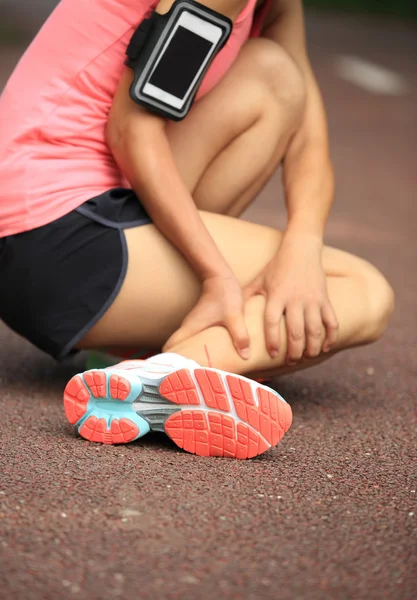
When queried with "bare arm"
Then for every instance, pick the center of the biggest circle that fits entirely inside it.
(294, 282)
(308, 171)
(140, 146)
(138, 141)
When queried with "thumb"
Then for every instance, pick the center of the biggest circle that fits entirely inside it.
(185, 331)
(239, 333)
(252, 289)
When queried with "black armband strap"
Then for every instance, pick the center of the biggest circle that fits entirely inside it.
(171, 53)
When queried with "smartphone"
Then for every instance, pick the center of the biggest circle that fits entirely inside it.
(168, 77)
(183, 58)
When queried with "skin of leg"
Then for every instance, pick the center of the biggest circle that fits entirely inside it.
(225, 157)
(262, 92)
(160, 289)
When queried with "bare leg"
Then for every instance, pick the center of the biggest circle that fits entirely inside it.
(225, 157)
(158, 293)
(235, 137)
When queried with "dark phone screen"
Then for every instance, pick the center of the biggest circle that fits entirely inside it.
(180, 62)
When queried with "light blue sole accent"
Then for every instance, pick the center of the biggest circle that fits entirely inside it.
(108, 408)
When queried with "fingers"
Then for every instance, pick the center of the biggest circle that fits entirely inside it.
(273, 317)
(331, 324)
(294, 318)
(192, 325)
(238, 331)
(254, 288)
(314, 330)
(305, 331)
(189, 327)
(176, 338)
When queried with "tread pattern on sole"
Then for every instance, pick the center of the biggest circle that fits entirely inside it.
(179, 388)
(213, 434)
(79, 391)
(223, 415)
(263, 420)
(120, 432)
(119, 387)
(76, 397)
(96, 385)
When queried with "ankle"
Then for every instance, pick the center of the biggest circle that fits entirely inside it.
(209, 356)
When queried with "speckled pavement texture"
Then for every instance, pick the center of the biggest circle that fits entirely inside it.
(331, 512)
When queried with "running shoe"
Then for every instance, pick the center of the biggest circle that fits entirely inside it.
(203, 410)
(99, 359)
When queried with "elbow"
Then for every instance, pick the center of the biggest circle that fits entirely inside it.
(132, 133)
(113, 134)
(137, 146)
(119, 133)
(123, 138)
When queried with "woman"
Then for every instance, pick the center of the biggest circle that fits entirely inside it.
(89, 178)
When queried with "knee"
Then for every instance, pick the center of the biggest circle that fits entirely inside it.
(380, 302)
(280, 75)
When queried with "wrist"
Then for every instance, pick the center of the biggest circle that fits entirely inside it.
(302, 232)
(309, 207)
(220, 275)
(217, 268)
(298, 243)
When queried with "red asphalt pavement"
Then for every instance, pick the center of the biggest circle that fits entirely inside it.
(331, 512)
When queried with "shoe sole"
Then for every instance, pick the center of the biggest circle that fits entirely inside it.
(204, 411)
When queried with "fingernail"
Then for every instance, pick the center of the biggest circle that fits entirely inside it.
(274, 353)
(245, 353)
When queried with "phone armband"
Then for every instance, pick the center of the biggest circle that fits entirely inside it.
(171, 53)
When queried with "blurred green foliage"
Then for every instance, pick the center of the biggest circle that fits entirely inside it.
(402, 8)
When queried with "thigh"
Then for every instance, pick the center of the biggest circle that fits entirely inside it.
(263, 84)
(160, 288)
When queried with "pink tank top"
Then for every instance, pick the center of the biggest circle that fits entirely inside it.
(53, 111)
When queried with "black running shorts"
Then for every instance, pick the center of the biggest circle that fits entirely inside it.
(58, 280)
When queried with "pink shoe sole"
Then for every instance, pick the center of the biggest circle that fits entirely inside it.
(207, 412)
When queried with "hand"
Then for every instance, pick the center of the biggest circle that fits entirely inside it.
(220, 303)
(294, 284)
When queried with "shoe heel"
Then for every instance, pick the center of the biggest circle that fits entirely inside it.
(99, 404)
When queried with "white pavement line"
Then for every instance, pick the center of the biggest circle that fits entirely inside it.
(369, 76)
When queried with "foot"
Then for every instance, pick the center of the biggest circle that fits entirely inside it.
(204, 411)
